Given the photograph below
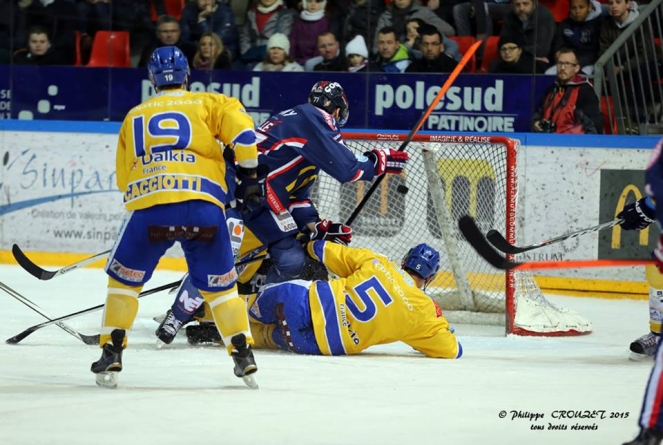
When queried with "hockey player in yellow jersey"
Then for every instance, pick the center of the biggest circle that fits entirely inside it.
(372, 302)
(171, 170)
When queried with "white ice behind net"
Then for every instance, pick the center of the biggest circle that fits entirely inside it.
(472, 180)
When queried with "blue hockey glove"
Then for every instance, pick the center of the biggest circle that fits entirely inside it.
(637, 215)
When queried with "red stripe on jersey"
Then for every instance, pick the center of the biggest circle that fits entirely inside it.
(357, 175)
(299, 142)
(286, 167)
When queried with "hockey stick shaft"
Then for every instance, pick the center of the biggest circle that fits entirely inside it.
(87, 339)
(94, 339)
(478, 241)
(18, 337)
(445, 87)
(501, 244)
(43, 274)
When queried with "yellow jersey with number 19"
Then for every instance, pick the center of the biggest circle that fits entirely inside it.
(373, 302)
(168, 148)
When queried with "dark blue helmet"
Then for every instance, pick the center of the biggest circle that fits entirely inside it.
(423, 260)
(329, 96)
(168, 66)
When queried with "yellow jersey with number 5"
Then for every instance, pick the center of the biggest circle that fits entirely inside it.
(168, 148)
(373, 302)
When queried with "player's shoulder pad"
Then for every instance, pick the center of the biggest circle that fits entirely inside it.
(318, 116)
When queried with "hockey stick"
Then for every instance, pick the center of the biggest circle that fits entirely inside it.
(478, 241)
(452, 77)
(18, 337)
(43, 274)
(87, 339)
(94, 339)
(501, 244)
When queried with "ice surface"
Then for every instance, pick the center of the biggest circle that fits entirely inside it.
(389, 395)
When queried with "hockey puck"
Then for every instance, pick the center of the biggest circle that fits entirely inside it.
(402, 189)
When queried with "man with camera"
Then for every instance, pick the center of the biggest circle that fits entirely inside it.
(570, 104)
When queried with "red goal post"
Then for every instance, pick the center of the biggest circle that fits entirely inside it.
(449, 176)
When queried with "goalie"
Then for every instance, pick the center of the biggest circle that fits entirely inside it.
(372, 302)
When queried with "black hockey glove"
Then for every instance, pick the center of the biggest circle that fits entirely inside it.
(637, 215)
(250, 191)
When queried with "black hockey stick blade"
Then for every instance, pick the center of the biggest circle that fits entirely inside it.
(479, 242)
(43, 274)
(500, 243)
(468, 227)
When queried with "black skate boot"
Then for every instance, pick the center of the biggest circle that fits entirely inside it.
(110, 363)
(245, 364)
(646, 437)
(168, 328)
(202, 334)
(644, 347)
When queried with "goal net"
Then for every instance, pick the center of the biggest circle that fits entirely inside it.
(448, 177)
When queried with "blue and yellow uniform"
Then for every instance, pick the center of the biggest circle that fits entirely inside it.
(168, 149)
(171, 169)
(372, 302)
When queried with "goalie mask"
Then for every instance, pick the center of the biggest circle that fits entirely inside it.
(168, 66)
(329, 96)
(423, 260)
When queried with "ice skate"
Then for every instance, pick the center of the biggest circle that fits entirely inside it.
(168, 329)
(646, 437)
(245, 364)
(644, 348)
(110, 363)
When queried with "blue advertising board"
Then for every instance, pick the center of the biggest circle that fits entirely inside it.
(474, 103)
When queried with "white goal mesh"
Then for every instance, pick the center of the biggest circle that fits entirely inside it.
(447, 177)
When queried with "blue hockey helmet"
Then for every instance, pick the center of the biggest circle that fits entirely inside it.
(168, 66)
(329, 96)
(423, 260)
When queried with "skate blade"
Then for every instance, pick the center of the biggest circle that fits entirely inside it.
(107, 379)
(635, 357)
(250, 381)
(161, 344)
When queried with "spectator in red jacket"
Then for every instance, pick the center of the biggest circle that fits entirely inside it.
(570, 104)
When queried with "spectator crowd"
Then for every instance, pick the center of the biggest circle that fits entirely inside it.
(392, 36)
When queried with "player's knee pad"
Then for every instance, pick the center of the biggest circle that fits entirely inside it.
(188, 300)
(289, 260)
